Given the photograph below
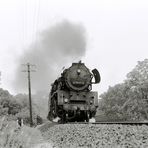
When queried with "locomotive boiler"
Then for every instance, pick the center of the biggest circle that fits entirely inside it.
(71, 97)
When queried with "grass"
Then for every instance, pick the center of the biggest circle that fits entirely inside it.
(12, 136)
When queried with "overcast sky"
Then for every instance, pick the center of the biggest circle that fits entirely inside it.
(116, 32)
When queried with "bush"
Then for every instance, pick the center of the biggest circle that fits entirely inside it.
(12, 136)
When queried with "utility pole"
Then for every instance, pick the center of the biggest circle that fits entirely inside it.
(29, 91)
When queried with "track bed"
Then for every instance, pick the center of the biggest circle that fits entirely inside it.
(75, 135)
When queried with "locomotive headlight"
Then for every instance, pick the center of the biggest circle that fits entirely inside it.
(91, 101)
(78, 71)
(66, 100)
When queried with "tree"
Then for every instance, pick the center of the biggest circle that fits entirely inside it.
(5, 99)
(128, 100)
(138, 79)
(139, 75)
(113, 100)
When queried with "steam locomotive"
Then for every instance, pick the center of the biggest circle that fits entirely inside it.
(71, 98)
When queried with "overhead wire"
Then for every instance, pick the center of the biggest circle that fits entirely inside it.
(23, 25)
(35, 20)
(24, 22)
(30, 21)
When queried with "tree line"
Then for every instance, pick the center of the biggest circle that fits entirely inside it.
(127, 100)
(14, 107)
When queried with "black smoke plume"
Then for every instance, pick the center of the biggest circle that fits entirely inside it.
(57, 46)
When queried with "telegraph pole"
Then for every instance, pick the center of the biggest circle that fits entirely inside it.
(29, 91)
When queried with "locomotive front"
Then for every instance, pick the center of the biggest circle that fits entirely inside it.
(71, 98)
(78, 77)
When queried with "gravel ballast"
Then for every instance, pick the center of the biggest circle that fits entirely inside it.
(94, 136)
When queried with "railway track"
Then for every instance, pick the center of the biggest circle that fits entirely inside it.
(123, 123)
(47, 125)
(98, 134)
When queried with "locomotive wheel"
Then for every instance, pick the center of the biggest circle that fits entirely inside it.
(57, 111)
(50, 116)
(87, 116)
(60, 111)
(71, 115)
(63, 119)
(53, 109)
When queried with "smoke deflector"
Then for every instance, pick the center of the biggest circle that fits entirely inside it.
(96, 75)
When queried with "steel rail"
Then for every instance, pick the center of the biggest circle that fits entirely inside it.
(133, 123)
(113, 122)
